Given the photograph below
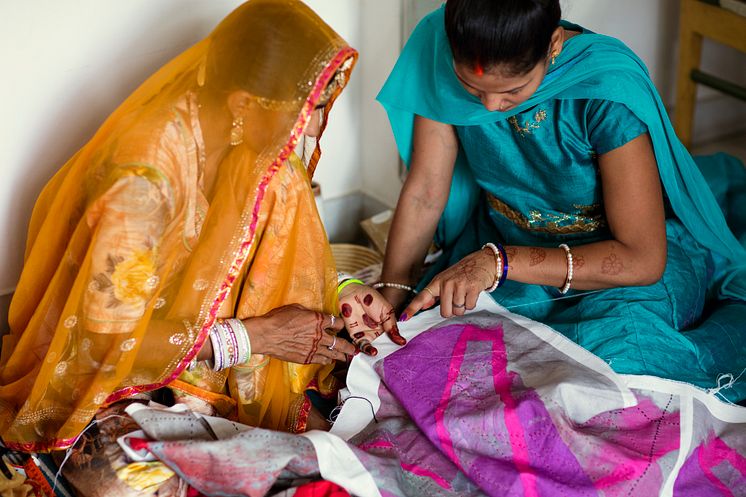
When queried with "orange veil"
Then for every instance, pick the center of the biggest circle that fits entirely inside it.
(135, 248)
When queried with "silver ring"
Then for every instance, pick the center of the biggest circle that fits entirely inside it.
(334, 318)
(457, 306)
(334, 342)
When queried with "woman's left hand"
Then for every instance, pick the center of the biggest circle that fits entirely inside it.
(367, 315)
(458, 287)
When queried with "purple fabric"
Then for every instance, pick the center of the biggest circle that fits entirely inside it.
(472, 428)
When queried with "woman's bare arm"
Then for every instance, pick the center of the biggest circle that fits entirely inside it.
(420, 205)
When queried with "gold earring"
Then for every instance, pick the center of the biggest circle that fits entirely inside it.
(554, 55)
(237, 131)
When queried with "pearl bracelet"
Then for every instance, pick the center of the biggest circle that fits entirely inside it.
(400, 286)
(568, 279)
(498, 266)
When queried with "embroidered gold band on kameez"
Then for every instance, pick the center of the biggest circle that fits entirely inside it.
(588, 218)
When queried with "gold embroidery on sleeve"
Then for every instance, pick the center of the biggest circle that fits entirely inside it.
(587, 218)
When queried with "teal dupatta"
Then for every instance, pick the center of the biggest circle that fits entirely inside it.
(590, 66)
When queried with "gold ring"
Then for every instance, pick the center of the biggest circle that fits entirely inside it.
(426, 289)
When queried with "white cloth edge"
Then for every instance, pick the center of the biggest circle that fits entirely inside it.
(338, 464)
(728, 413)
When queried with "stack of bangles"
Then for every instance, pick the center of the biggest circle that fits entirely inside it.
(501, 265)
(230, 344)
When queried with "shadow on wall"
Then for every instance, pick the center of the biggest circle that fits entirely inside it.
(82, 102)
(4, 303)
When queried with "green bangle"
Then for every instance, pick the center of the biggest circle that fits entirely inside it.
(350, 281)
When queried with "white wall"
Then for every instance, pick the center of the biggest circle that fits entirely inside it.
(67, 65)
(380, 45)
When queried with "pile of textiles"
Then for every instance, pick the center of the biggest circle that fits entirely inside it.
(488, 404)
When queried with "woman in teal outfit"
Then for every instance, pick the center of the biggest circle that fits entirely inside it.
(543, 161)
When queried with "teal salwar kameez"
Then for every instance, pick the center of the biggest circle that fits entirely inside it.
(530, 177)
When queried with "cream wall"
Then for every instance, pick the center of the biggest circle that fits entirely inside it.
(66, 66)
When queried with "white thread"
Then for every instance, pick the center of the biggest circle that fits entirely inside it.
(731, 381)
(335, 412)
(556, 298)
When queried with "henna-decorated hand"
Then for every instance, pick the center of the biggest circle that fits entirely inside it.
(458, 287)
(293, 333)
(367, 315)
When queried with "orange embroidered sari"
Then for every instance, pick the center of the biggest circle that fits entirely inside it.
(135, 248)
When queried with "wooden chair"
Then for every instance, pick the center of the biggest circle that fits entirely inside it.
(704, 18)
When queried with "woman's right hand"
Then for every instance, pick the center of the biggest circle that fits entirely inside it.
(293, 333)
(458, 287)
(367, 315)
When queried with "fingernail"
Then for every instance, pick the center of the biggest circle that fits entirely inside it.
(403, 317)
(369, 349)
(400, 340)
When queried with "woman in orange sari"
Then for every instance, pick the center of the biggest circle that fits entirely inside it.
(186, 230)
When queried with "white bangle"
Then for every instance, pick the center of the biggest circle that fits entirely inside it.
(400, 286)
(498, 266)
(230, 343)
(568, 279)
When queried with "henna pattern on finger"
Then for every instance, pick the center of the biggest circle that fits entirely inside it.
(396, 337)
(358, 335)
(346, 310)
(368, 349)
(368, 300)
(537, 256)
(316, 338)
(354, 324)
(612, 265)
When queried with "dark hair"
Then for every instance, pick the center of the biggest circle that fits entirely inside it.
(513, 34)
